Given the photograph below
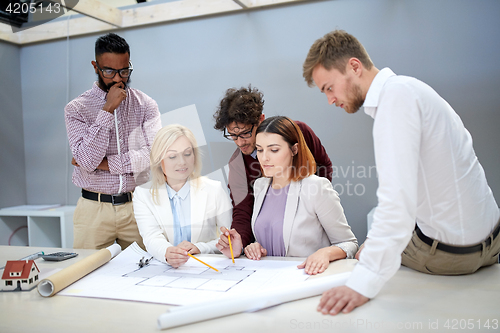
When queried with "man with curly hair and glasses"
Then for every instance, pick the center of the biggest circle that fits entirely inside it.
(238, 115)
(110, 129)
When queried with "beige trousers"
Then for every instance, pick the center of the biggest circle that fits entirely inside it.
(427, 259)
(97, 225)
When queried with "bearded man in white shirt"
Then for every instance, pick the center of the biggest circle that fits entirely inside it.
(436, 213)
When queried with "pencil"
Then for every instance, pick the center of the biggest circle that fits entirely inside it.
(204, 263)
(230, 247)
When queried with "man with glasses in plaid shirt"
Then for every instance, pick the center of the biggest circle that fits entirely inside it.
(238, 116)
(110, 129)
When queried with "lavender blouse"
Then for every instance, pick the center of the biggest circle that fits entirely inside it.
(269, 223)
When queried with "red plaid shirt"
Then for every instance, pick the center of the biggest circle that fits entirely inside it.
(92, 136)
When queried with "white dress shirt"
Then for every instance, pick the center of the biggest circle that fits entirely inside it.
(180, 202)
(428, 173)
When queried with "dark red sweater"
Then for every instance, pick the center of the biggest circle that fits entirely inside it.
(244, 170)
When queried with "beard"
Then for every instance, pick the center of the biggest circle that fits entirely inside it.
(355, 98)
(106, 87)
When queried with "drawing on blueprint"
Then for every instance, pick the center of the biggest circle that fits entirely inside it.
(190, 277)
(192, 283)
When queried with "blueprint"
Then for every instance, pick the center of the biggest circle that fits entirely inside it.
(123, 279)
(191, 277)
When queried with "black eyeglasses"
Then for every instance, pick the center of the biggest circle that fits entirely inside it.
(110, 73)
(234, 137)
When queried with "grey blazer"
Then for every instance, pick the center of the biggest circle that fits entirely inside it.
(313, 219)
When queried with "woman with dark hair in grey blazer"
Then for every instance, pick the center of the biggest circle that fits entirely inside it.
(296, 213)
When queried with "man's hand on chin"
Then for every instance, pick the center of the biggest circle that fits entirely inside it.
(340, 299)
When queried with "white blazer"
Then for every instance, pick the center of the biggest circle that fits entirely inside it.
(313, 219)
(210, 210)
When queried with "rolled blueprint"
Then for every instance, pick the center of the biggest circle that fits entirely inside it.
(184, 315)
(60, 280)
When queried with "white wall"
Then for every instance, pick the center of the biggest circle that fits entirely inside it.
(12, 168)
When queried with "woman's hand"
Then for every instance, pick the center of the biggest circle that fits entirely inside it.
(176, 256)
(318, 261)
(223, 243)
(189, 247)
(255, 251)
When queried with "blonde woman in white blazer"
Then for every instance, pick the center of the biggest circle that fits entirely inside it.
(169, 228)
(295, 214)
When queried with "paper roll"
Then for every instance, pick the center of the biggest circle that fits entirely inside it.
(183, 315)
(60, 280)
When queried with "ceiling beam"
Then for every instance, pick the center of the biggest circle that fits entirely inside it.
(241, 4)
(96, 19)
(176, 10)
(7, 35)
(61, 29)
(98, 10)
(246, 4)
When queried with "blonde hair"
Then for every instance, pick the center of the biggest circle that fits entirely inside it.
(164, 138)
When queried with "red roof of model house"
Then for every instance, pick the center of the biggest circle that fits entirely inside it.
(17, 269)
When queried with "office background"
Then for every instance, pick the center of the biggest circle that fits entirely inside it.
(453, 45)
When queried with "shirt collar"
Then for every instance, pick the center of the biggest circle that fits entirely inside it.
(98, 91)
(373, 95)
(183, 192)
(254, 154)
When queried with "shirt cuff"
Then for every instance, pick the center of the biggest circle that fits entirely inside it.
(205, 248)
(105, 119)
(158, 252)
(349, 248)
(365, 281)
(115, 164)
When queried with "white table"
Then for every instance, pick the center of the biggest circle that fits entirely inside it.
(49, 227)
(409, 302)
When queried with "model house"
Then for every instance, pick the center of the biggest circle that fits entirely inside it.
(20, 275)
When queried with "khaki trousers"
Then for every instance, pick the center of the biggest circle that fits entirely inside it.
(97, 225)
(428, 259)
